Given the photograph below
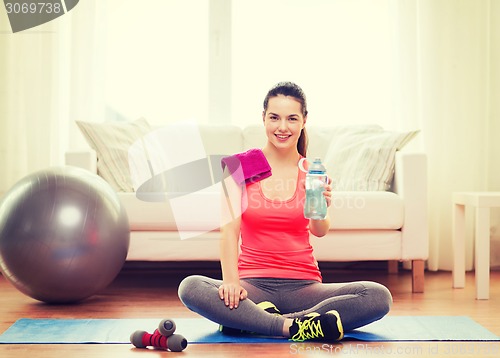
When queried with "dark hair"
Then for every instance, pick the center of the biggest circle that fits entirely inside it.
(292, 90)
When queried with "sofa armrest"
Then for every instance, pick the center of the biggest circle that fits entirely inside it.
(86, 159)
(410, 183)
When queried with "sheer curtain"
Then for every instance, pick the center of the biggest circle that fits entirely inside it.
(456, 102)
(446, 54)
(27, 93)
(49, 76)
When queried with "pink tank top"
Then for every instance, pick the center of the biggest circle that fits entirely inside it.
(275, 237)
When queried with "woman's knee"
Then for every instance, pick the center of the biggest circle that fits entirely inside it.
(190, 287)
(381, 296)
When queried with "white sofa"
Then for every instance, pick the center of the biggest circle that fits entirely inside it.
(366, 225)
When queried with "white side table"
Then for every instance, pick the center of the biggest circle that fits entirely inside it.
(482, 201)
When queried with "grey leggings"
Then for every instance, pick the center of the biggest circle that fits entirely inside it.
(358, 303)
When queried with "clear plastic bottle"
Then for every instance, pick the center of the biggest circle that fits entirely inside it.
(315, 206)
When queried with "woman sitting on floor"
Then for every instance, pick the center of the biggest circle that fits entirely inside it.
(272, 284)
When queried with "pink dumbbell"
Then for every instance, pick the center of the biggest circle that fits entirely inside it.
(163, 338)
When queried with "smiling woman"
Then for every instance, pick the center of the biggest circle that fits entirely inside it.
(266, 254)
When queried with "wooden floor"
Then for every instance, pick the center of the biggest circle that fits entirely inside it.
(147, 293)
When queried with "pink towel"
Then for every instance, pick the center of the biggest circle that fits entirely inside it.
(247, 167)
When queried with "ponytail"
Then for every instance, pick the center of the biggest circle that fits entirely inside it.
(302, 143)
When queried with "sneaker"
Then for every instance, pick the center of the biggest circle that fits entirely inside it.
(325, 327)
(265, 305)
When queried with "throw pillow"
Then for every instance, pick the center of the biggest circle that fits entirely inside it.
(364, 160)
(111, 141)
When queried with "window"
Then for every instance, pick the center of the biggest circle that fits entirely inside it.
(214, 60)
(157, 59)
(339, 52)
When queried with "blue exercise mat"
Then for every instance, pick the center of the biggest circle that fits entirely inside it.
(199, 330)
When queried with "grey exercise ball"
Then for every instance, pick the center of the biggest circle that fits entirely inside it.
(64, 235)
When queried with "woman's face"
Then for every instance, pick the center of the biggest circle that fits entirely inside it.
(283, 121)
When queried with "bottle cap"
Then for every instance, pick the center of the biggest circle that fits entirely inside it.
(317, 166)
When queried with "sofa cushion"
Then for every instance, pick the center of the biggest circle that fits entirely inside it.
(366, 210)
(198, 211)
(181, 156)
(321, 137)
(349, 210)
(111, 141)
(364, 160)
(357, 245)
(168, 246)
(154, 214)
(221, 139)
(254, 136)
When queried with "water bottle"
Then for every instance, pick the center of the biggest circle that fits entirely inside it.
(316, 178)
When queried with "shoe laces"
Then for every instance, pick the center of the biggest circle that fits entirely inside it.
(309, 328)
